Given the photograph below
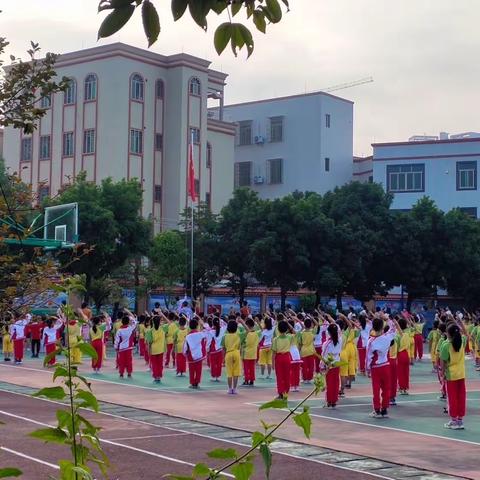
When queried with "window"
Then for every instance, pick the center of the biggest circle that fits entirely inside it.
(327, 120)
(406, 178)
(68, 145)
(243, 174)
(46, 101)
(245, 133)
(276, 129)
(136, 90)
(26, 150)
(467, 175)
(158, 193)
(159, 89)
(275, 171)
(43, 192)
(70, 94)
(195, 135)
(89, 141)
(327, 164)
(90, 88)
(209, 155)
(158, 142)
(195, 86)
(197, 186)
(136, 141)
(470, 211)
(44, 147)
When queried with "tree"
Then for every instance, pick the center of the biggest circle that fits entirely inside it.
(110, 224)
(237, 34)
(105, 291)
(238, 230)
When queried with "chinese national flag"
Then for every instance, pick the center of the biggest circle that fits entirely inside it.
(191, 176)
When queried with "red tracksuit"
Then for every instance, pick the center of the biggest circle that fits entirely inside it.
(98, 346)
(333, 385)
(282, 371)
(295, 373)
(249, 370)
(156, 364)
(403, 370)
(418, 339)
(457, 398)
(308, 367)
(216, 361)
(362, 351)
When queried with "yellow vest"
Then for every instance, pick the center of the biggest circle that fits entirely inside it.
(308, 348)
(158, 341)
(231, 342)
(250, 346)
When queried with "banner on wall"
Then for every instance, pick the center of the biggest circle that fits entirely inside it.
(226, 305)
(276, 302)
(168, 302)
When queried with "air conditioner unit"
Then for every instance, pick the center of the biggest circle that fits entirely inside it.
(259, 140)
(258, 180)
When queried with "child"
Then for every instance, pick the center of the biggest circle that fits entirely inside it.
(442, 328)
(378, 367)
(231, 344)
(348, 354)
(74, 335)
(249, 352)
(141, 335)
(215, 348)
(50, 338)
(307, 351)
(124, 343)
(7, 344)
(392, 360)
(265, 345)
(18, 337)
(319, 339)
(281, 348)
(418, 339)
(452, 357)
(156, 338)
(365, 330)
(172, 328)
(146, 328)
(296, 360)
(34, 330)
(403, 357)
(96, 339)
(179, 341)
(195, 348)
(332, 347)
(433, 338)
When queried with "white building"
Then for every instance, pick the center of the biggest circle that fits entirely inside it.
(131, 113)
(363, 169)
(444, 170)
(300, 142)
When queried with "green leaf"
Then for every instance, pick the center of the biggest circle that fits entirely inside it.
(228, 453)
(339, 364)
(266, 454)
(10, 472)
(198, 11)
(52, 435)
(64, 418)
(236, 7)
(243, 471)
(304, 421)
(218, 6)
(178, 8)
(267, 426)
(89, 400)
(223, 34)
(87, 349)
(277, 403)
(240, 36)
(89, 429)
(259, 20)
(54, 393)
(275, 10)
(200, 470)
(115, 20)
(151, 22)
(257, 438)
(60, 371)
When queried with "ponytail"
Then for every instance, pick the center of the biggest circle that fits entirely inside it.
(333, 332)
(456, 337)
(216, 324)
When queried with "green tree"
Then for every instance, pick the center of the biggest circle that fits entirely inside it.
(259, 12)
(105, 291)
(238, 230)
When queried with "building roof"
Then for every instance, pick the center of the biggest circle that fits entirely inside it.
(426, 142)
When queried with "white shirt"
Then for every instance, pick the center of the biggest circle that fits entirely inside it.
(328, 348)
(318, 338)
(380, 346)
(193, 343)
(122, 338)
(19, 329)
(365, 334)
(267, 336)
(49, 335)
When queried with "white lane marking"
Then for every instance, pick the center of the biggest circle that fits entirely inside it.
(148, 436)
(28, 457)
(202, 435)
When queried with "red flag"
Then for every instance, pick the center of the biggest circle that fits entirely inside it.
(191, 176)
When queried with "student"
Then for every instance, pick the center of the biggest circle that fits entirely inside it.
(365, 329)
(7, 344)
(141, 335)
(392, 360)
(74, 335)
(172, 328)
(319, 339)
(296, 360)
(18, 337)
(403, 357)
(265, 358)
(433, 339)
(34, 331)
(50, 338)
(249, 352)
(378, 367)
(281, 349)
(452, 357)
(146, 329)
(124, 344)
(179, 341)
(307, 351)
(418, 339)
(215, 348)
(195, 348)
(156, 339)
(442, 328)
(87, 312)
(231, 344)
(348, 354)
(332, 347)
(96, 339)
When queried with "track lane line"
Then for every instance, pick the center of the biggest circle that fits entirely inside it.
(28, 457)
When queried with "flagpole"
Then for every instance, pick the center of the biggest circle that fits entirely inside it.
(191, 256)
(192, 194)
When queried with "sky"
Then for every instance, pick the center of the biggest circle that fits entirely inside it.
(422, 54)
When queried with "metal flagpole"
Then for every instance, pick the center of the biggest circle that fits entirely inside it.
(191, 232)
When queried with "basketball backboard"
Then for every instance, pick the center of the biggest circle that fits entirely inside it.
(61, 224)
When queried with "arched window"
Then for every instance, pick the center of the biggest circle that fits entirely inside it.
(90, 87)
(136, 90)
(159, 89)
(195, 86)
(70, 94)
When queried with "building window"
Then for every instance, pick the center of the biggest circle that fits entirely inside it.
(89, 141)
(406, 178)
(209, 155)
(470, 211)
(243, 174)
(159, 89)
(26, 150)
(158, 142)
(158, 193)
(195, 87)
(136, 141)
(70, 94)
(45, 147)
(275, 171)
(276, 129)
(245, 133)
(90, 88)
(327, 120)
(46, 101)
(195, 135)
(208, 199)
(197, 186)
(467, 175)
(136, 90)
(43, 192)
(327, 164)
(68, 144)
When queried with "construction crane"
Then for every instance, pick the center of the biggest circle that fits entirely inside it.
(342, 86)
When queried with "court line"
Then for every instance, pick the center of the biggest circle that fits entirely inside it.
(202, 435)
(28, 457)
(148, 436)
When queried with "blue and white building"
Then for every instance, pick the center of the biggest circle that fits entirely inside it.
(445, 170)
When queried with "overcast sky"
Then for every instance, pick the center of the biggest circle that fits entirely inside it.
(422, 54)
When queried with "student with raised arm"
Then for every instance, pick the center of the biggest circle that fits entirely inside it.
(124, 343)
(179, 341)
(365, 329)
(156, 339)
(307, 350)
(195, 349)
(250, 341)
(215, 349)
(265, 358)
(231, 343)
(50, 337)
(281, 348)
(331, 348)
(18, 336)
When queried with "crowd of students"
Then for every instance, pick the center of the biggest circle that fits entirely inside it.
(296, 346)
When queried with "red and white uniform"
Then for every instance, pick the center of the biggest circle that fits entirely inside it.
(333, 375)
(195, 348)
(18, 337)
(50, 336)
(124, 343)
